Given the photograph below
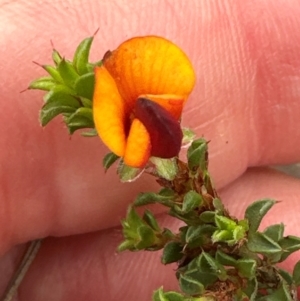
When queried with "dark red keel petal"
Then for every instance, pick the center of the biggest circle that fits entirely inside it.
(164, 130)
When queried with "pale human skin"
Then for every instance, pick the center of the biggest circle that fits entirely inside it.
(246, 54)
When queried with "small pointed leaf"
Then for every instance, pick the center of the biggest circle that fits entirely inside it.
(159, 295)
(147, 237)
(225, 259)
(251, 289)
(164, 198)
(247, 268)
(196, 154)
(81, 119)
(165, 168)
(280, 294)
(128, 173)
(84, 85)
(275, 232)
(172, 252)
(190, 286)
(81, 56)
(289, 244)
(191, 200)
(109, 160)
(56, 57)
(296, 274)
(150, 220)
(188, 137)
(207, 217)
(256, 211)
(199, 235)
(68, 73)
(218, 205)
(42, 83)
(286, 276)
(53, 73)
(261, 243)
(57, 103)
(225, 223)
(215, 266)
(90, 133)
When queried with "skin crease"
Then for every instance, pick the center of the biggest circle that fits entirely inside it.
(246, 54)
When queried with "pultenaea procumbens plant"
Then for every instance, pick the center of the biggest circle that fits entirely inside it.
(134, 97)
(139, 94)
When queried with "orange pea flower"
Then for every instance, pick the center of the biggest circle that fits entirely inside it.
(139, 95)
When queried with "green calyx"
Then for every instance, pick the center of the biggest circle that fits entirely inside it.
(69, 86)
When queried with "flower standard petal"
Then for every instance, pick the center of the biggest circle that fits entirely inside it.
(109, 111)
(138, 145)
(150, 65)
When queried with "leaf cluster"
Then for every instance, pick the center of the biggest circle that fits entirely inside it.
(218, 257)
(69, 86)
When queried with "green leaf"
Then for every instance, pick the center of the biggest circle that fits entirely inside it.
(128, 173)
(81, 119)
(218, 205)
(159, 295)
(174, 296)
(84, 85)
(224, 223)
(163, 198)
(57, 103)
(147, 237)
(199, 235)
(165, 168)
(286, 276)
(247, 268)
(222, 235)
(215, 266)
(251, 289)
(132, 220)
(289, 245)
(81, 56)
(256, 211)
(281, 294)
(60, 89)
(86, 102)
(207, 217)
(296, 274)
(261, 243)
(172, 252)
(54, 73)
(43, 83)
(196, 155)
(200, 270)
(151, 221)
(275, 232)
(225, 259)
(56, 57)
(190, 285)
(109, 160)
(126, 245)
(191, 200)
(138, 235)
(188, 136)
(238, 233)
(90, 133)
(68, 73)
